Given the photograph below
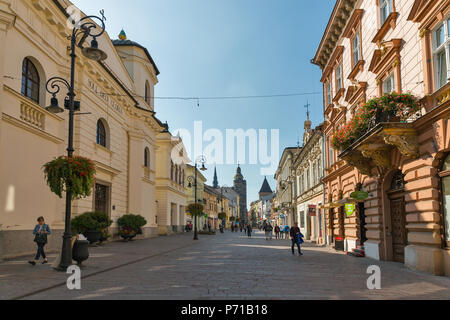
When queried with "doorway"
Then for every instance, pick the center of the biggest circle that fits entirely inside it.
(398, 218)
(102, 198)
(362, 223)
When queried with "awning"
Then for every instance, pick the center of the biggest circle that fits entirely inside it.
(350, 200)
(332, 205)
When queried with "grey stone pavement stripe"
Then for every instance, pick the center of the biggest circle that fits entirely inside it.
(18, 279)
(233, 267)
(98, 272)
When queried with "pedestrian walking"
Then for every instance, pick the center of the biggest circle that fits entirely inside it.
(287, 230)
(249, 230)
(277, 232)
(281, 232)
(41, 232)
(268, 231)
(297, 239)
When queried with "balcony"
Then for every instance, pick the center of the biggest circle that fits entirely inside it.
(368, 140)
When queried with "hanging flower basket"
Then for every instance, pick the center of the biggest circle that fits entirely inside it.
(222, 216)
(391, 107)
(195, 209)
(64, 174)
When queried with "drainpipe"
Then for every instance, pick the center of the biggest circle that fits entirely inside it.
(323, 184)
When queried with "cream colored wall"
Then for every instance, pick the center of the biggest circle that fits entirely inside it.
(26, 144)
(168, 193)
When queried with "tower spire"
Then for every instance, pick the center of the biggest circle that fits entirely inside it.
(216, 181)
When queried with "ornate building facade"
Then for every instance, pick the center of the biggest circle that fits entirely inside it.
(119, 133)
(285, 206)
(369, 49)
(309, 191)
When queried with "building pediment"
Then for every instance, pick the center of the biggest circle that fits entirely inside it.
(381, 57)
(421, 9)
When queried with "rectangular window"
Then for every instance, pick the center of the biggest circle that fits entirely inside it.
(302, 219)
(314, 175)
(308, 179)
(338, 78)
(329, 95)
(441, 52)
(356, 46)
(385, 10)
(389, 84)
(330, 155)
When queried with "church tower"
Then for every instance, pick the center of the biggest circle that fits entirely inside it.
(240, 186)
(215, 181)
(308, 126)
(266, 190)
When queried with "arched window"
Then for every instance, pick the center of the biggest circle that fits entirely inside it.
(147, 158)
(30, 80)
(147, 93)
(101, 134)
(446, 198)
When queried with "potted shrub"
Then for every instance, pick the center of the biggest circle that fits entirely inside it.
(91, 225)
(130, 226)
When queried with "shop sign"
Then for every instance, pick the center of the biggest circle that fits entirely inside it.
(312, 210)
(359, 195)
(350, 209)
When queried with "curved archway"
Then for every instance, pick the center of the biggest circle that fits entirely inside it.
(103, 133)
(33, 80)
(445, 191)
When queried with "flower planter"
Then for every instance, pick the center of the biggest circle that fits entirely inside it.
(93, 236)
(80, 251)
(128, 237)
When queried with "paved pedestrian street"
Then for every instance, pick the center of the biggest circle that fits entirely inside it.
(225, 266)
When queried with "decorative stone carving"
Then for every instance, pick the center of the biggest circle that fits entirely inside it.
(357, 160)
(379, 154)
(406, 142)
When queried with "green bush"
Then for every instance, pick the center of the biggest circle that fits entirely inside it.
(222, 216)
(91, 221)
(133, 222)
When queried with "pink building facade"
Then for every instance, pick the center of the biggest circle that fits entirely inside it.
(370, 49)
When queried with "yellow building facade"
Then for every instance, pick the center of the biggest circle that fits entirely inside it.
(120, 131)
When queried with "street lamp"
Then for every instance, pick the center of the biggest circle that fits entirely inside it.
(87, 28)
(193, 182)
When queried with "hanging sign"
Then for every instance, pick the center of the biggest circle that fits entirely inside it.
(312, 210)
(350, 209)
(359, 195)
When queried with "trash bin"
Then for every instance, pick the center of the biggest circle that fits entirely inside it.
(339, 244)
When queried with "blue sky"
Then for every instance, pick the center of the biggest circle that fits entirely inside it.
(209, 48)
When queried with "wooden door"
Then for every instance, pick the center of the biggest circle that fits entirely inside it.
(398, 224)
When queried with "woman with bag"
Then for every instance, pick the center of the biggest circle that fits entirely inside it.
(297, 239)
(41, 231)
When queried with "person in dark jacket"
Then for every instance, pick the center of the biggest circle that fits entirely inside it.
(41, 231)
(249, 230)
(295, 235)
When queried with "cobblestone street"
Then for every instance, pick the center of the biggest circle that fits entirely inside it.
(226, 266)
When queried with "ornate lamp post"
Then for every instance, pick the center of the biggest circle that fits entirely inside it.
(193, 182)
(86, 28)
